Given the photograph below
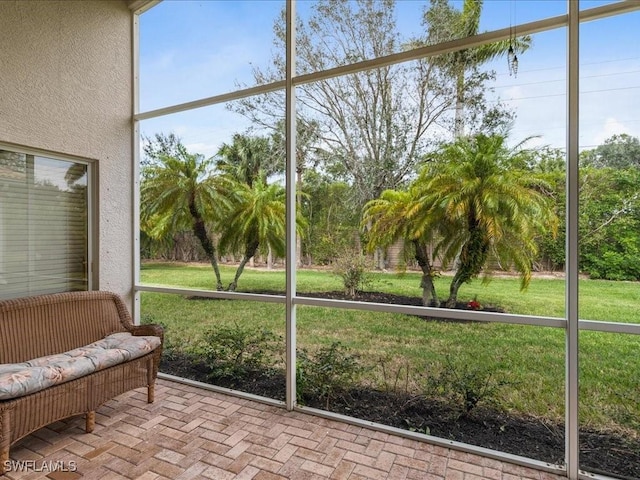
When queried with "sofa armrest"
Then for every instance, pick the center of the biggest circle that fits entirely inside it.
(150, 329)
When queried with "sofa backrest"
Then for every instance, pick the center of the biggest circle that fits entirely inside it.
(47, 324)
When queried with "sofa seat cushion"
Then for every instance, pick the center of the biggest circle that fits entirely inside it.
(19, 379)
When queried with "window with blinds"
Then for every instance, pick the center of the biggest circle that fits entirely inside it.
(44, 225)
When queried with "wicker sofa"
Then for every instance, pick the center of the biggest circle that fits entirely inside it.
(35, 333)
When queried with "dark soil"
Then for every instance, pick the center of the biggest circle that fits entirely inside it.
(607, 453)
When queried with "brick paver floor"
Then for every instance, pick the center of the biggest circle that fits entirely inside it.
(190, 433)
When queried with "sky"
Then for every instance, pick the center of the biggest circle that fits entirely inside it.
(196, 49)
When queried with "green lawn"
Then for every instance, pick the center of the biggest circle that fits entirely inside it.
(599, 299)
(529, 360)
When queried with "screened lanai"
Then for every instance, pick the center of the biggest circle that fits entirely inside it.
(345, 109)
(320, 96)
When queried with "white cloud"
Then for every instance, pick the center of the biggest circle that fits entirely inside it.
(206, 149)
(610, 127)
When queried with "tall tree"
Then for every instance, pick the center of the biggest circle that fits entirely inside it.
(550, 164)
(373, 124)
(618, 151)
(609, 226)
(332, 221)
(179, 191)
(444, 23)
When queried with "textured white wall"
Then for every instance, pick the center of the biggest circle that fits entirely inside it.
(65, 87)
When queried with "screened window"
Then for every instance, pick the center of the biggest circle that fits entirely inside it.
(44, 229)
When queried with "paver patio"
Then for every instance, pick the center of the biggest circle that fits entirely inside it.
(191, 433)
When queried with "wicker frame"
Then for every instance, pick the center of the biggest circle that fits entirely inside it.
(47, 324)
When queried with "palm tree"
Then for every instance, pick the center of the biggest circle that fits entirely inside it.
(445, 24)
(178, 191)
(396, 215)
(249, 158)
(246, 157)
(493, 210)
(257, 217)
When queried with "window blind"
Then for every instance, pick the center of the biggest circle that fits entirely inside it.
(43, 225)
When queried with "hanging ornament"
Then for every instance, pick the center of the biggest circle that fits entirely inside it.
(512, 58)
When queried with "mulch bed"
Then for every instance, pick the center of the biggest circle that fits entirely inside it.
(607, 453)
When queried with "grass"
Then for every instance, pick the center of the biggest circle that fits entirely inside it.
(604, 300)
(529, 360)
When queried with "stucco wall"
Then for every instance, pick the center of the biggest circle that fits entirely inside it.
(65, 87)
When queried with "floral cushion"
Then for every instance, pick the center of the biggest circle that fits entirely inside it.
(18, 379)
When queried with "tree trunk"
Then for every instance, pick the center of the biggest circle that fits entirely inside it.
(269, 258)
(233, 285)
(472, 259)
(299, 209)
(453, 289)
(249, 252)
(429, 295)
(459, 112)
(200, 231)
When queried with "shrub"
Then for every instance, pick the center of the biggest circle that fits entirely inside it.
(235, 352)
(353, 268)
(327, 373)
(465, 384)
(611, 265)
